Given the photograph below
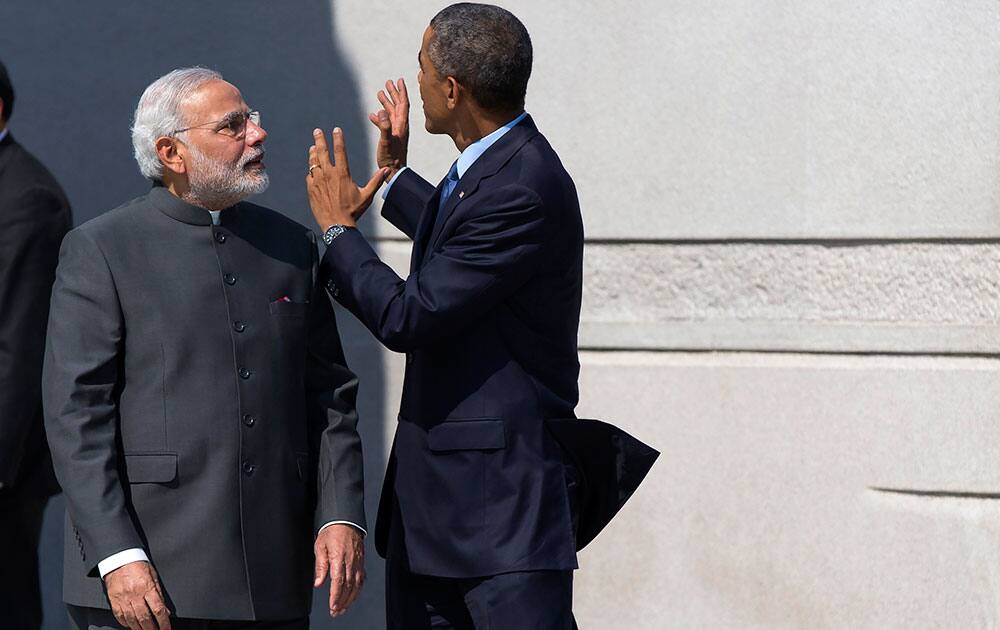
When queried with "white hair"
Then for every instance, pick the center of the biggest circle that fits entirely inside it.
(158, 114)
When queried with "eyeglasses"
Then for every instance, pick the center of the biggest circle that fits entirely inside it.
(233, 125)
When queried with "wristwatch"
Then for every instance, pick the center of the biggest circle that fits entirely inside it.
(333, 232)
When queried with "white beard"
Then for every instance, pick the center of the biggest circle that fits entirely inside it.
(215, 185)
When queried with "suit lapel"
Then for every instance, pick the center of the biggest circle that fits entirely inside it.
(424, 227)
(6, 150)
(488, 164)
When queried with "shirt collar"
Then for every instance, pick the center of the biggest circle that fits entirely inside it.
(3, 134)
(477, 148)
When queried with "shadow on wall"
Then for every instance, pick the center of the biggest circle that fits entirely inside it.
(79, 70)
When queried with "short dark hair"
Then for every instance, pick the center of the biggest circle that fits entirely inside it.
(6, 93)
(486, 49)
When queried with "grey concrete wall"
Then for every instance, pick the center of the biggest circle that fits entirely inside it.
(791, 286)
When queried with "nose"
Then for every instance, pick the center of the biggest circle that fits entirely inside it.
(255, 133)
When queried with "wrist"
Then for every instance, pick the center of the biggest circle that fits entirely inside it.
(336, 229)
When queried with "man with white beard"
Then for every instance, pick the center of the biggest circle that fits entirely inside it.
(201, 418)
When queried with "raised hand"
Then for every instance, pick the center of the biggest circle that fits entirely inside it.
(136, 598)
(333, 195)
(393, 122)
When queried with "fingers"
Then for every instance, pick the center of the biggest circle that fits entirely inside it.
(352, 562)
(143, 616)
(120, 615)
(401, 116)
(154, 599)
(368, 192)
(356, 580)
(397, 92)
(312, 159)
(402, 99)
(353, 579)
(337, 580)
(393, 91)
(381, 120)
(339, 150)
(311, 175)
(322, 152)
(349, 589)
(322, 564)
(129, 617)
(386, 101)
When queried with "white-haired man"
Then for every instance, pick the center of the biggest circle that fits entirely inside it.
(201, 419)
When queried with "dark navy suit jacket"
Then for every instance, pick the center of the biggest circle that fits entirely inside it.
(488, 319)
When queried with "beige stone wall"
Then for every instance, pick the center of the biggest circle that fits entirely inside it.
(791, 290)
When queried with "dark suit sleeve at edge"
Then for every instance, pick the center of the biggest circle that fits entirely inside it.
(81, 372)
(31, 228)
(335, 445)
(406, 201)
(495, 250)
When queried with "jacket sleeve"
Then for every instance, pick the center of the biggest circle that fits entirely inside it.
(335, 445)
(31, 228)
(406, 201)
(79, 391)
(496, 248)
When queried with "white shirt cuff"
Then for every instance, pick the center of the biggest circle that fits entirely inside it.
(120, 559)
(355, 525)
(385, 192)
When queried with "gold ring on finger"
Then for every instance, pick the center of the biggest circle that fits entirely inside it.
(311, 167)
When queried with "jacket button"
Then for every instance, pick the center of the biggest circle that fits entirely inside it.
(248, 420)
(248, 468)
(239, 326)
(244, 373)
(220, 238)
(229, 278)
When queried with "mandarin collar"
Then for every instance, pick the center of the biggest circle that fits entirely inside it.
(176, 208)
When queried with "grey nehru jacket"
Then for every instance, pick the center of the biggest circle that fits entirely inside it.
(198, 406)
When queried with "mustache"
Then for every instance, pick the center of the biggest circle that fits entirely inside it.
(258, 152)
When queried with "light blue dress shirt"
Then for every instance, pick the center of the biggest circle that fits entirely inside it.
(471, 153)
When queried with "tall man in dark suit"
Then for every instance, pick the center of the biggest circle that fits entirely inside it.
(201, 419)
(34, 217)
(477, 514)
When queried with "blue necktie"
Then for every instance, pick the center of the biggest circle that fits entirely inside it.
(449, 187)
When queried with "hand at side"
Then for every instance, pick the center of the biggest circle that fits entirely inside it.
(340, 552)
(136, 598)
